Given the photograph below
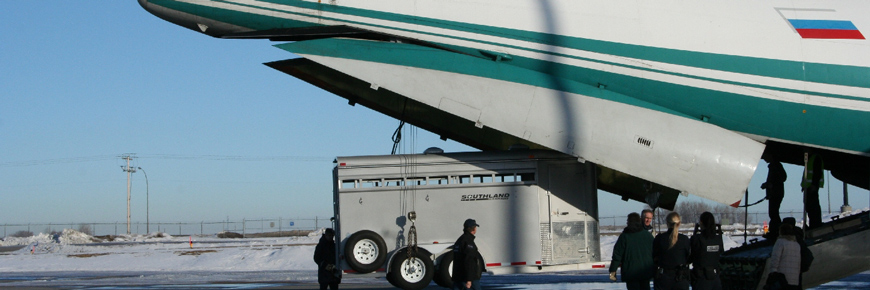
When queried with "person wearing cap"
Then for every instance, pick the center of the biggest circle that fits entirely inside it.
(467, 262)
(324, 255)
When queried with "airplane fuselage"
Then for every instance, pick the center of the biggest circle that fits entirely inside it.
(683, 94)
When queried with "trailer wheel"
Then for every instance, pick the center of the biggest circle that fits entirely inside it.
(365, 251)
(444, 273)
(411, 273)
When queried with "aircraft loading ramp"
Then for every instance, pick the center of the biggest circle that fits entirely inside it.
(839, 247)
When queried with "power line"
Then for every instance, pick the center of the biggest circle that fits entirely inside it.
(57, 161)
(237, 157)
(25, 163)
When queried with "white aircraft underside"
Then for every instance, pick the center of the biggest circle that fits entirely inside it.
(682, 94)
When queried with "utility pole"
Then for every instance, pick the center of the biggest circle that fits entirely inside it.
(147, 204)
(129, 170)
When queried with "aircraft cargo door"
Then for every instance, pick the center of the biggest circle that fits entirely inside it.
(573, 215)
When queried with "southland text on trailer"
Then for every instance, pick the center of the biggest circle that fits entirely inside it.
(400, 214)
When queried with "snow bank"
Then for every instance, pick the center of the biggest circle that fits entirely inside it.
(76, 251)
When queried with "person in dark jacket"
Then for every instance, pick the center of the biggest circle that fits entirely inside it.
(647, 217)
(706, 248)
(775, 189)
(633, 253)
(324, 255)
(467, 262)
(671, 252)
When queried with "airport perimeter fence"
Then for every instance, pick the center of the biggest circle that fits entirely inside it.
(612, 224)
(282, 225)
(279, 226)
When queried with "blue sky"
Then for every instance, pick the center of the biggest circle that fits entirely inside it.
(218, 133)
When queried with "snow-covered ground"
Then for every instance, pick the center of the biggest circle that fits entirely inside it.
(75, 251)
(160, 259)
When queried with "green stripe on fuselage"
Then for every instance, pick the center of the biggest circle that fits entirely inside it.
(728, 110)
(854, 76)
(823, 126)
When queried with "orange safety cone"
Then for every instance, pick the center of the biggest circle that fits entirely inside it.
(765, 227)
(191, 240)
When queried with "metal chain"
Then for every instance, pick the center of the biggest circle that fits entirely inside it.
(412, 241)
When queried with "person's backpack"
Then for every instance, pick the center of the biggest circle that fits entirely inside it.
(806, 258)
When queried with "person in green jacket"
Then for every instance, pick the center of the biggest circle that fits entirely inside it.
(634, 253)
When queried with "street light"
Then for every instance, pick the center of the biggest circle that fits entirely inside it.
(147, 204)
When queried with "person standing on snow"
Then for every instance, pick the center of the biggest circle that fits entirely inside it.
(707, 246)
(671, 252)
(467, 262)
(647, 216)
(633, 253)
(324, 256)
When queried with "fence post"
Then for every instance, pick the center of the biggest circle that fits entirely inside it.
(244, 224)
(316, 225)
(279, 226)
(200, 229)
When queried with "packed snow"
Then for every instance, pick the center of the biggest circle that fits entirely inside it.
(76, 251)
(159, 258)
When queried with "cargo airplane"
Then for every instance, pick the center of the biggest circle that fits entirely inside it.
(665, 97)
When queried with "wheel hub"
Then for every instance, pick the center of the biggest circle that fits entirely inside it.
(365, 251)
(413, 270)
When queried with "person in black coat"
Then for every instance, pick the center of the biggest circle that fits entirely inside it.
(707, 246)
(775, 189)
(324, 255)
(467, 262)
(671, 256)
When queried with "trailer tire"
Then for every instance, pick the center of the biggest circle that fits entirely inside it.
(365, 251)
(411, 273)
(444, 273)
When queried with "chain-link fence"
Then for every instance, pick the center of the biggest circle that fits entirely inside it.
(721, 218)
(245, 227)
(615, 224)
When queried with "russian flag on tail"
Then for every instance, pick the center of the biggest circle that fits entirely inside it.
(826, 29)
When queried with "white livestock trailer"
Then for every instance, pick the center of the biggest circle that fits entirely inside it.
(400, 214)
